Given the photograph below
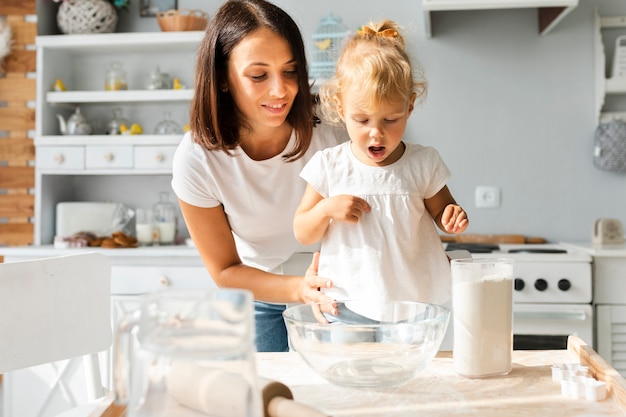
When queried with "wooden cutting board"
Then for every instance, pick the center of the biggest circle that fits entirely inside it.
(481, 238)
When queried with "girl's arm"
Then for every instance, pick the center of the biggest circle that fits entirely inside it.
(213, 238)
(448, 215)
(315, 212)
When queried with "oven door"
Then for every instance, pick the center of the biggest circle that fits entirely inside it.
(547, 326)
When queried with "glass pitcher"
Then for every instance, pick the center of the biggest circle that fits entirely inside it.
(188, 354)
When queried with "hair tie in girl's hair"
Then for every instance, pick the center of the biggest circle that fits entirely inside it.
(368, 31)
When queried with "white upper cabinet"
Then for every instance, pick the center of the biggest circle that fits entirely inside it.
(550, 12)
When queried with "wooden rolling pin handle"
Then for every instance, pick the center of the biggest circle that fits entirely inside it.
(283, 407)
(278, 402)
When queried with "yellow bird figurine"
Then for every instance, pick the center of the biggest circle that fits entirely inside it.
(59, 86)
(124, 129)
(323, 44)
(177, 84)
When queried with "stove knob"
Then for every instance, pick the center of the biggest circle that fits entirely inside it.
(541, 284)
(519, 284)
(564, 284)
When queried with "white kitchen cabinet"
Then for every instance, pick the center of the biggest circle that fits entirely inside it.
(550, 12)
(612, 332)
(130, 169)
(609, 288)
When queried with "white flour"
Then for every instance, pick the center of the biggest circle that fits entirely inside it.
(483, 333)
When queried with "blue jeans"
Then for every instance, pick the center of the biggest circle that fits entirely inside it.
(347, 316)
(271, 331)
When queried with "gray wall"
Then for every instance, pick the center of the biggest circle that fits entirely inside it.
(506, 107)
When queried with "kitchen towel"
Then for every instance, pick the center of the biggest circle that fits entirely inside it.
(610, 146)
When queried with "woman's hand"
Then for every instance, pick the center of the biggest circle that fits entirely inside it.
(310, 290)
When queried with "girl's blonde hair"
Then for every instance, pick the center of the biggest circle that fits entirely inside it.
(375, 63)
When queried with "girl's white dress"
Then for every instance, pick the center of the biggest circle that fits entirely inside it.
(394, 252)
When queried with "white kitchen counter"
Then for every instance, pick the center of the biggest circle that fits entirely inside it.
(173, 253)
(609, 251)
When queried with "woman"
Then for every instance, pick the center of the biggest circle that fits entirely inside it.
(236, 173)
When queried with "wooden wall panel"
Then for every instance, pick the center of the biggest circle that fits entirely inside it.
(17, 152)
(17, 205)
(17, 119)
(20, 61)
(17, 7)
(17, 89)
(17, 234)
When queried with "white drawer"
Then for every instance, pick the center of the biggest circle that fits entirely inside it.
(109, 157)
(143, 279)
(60, 157)
(151, 157)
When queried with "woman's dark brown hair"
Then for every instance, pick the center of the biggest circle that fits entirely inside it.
(215, 122)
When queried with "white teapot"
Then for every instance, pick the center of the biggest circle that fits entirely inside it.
(76, 124)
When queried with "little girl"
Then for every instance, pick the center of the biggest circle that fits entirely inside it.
(374, 201)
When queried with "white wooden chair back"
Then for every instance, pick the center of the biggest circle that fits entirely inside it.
(55, 309)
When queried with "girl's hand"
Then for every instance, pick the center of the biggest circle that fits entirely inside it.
(454, 219)
(310, 291)
(346, 208)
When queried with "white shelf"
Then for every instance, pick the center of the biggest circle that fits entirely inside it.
(607, 86)
(549, 15)
(122, 96)
(114, 42)
(79, 140)
(440, 5)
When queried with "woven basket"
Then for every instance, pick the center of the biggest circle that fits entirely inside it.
(86, 16)
(182, 20)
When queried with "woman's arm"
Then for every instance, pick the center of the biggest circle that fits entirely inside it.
(449, 216)
(214, 240)
(315, 212)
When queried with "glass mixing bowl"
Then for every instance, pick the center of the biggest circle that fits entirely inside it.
(384, 352)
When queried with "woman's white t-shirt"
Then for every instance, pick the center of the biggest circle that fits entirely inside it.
(259, 197)
(394, 252)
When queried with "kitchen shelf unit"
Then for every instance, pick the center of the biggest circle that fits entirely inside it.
(607, 86)
(550, 12)
(131, 169)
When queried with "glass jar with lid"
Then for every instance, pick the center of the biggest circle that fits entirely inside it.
(114, 127)
(158, 80)
(165, 219)
(115, 77)
(167, 126)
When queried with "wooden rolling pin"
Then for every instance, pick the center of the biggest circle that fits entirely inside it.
(222, 393)
(278, 402)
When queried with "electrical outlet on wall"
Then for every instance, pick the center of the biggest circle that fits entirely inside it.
(487, 196)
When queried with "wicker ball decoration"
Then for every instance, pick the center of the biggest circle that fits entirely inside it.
(86, 16)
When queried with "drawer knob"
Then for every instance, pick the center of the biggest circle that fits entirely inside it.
(164, 281)
(159, 157)
(59, 158)
(108, 157)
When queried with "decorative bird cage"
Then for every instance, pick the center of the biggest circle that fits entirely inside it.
(327, 42)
